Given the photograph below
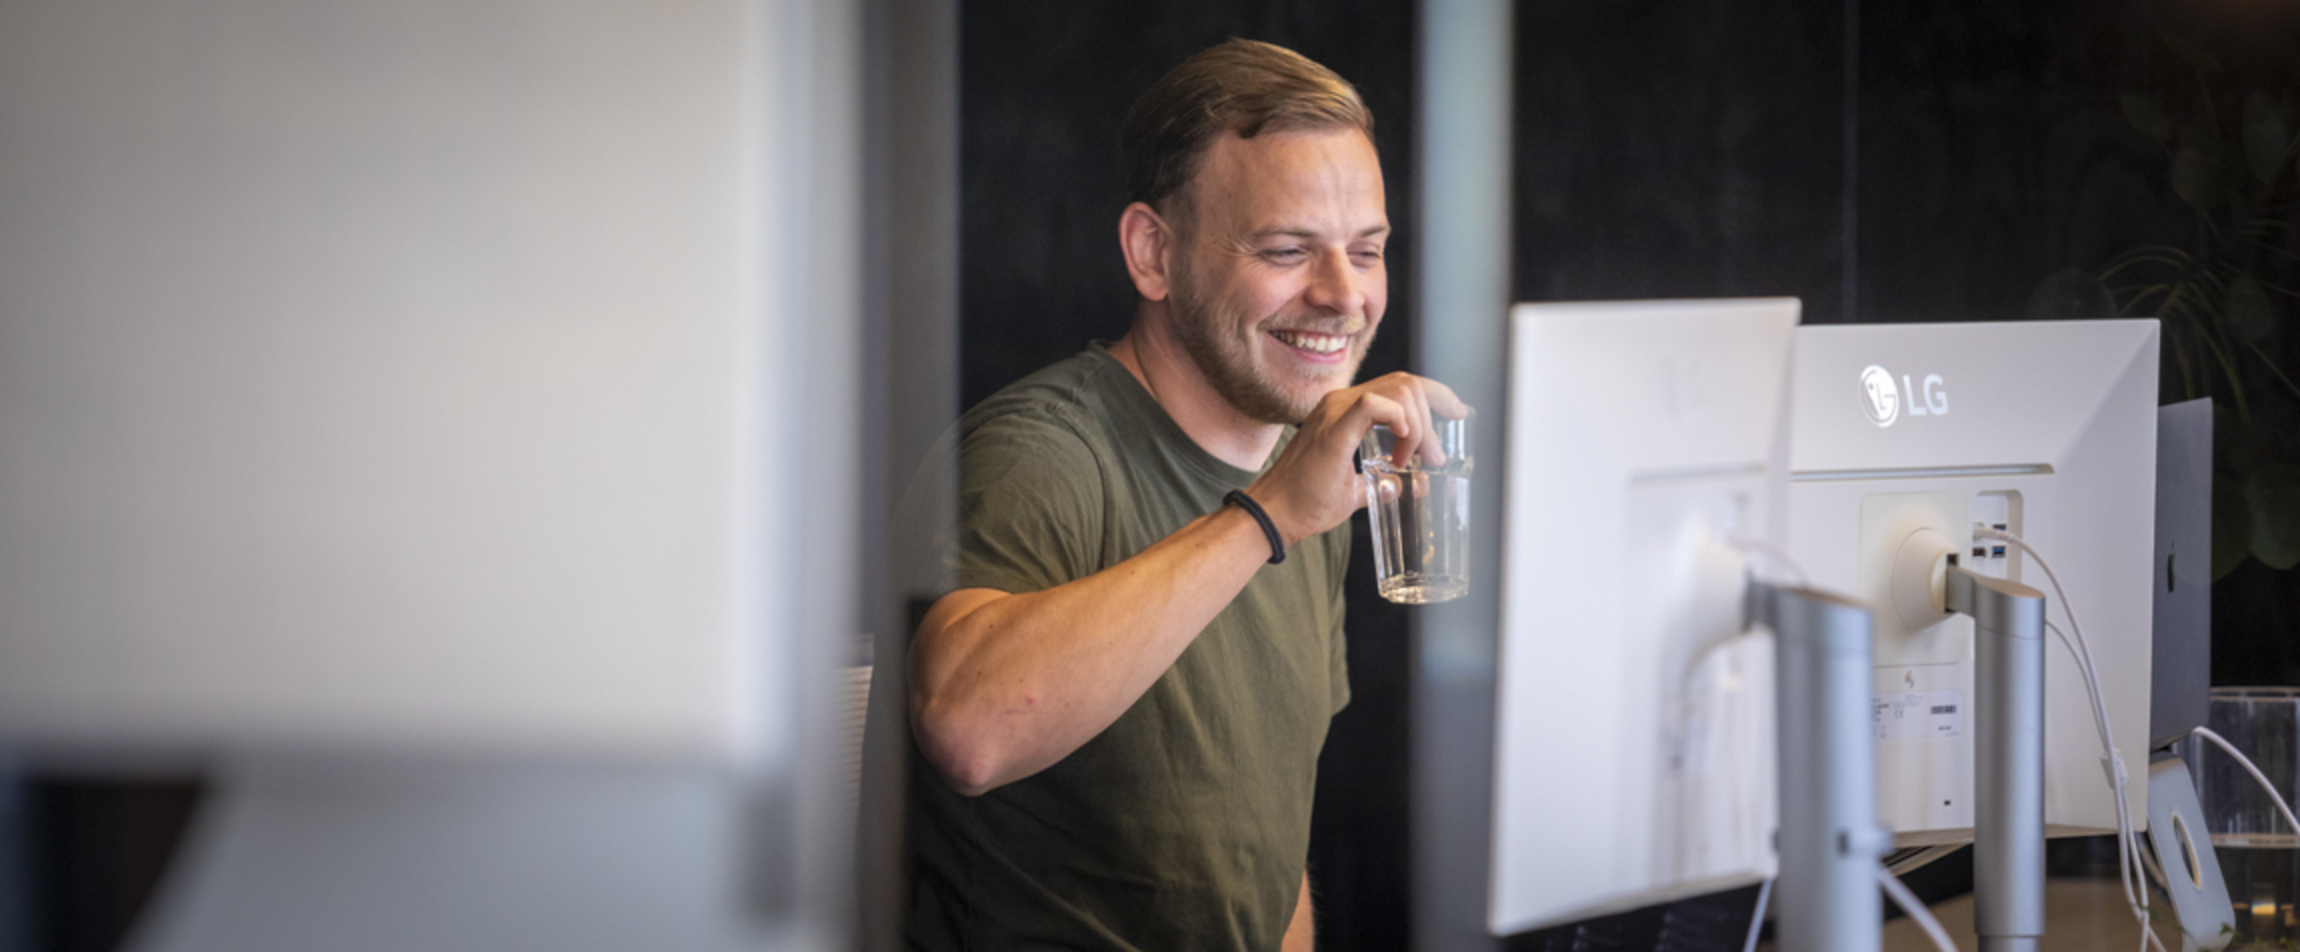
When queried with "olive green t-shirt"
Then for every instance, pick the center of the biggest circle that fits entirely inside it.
(1186, 824)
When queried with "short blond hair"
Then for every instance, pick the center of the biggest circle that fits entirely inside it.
(1241, 86)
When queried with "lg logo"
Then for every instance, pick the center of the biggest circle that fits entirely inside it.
(1884, 398)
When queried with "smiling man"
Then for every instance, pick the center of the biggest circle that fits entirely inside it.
(1120, 708)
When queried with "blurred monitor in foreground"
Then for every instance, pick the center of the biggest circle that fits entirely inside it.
(396, 414)
(388, 381)
(1634, 724)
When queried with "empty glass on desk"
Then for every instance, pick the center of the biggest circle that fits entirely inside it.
(2259, 852)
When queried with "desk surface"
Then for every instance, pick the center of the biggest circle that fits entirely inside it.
(2081, 915)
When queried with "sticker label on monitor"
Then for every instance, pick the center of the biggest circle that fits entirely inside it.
(1920, 714)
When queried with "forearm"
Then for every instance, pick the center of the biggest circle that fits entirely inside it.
(1003, 686)
(1301, 934)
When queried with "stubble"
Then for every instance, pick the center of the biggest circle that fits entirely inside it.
(1206, 328)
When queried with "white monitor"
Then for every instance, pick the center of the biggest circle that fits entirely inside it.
(1634, 734)
(2048, 429)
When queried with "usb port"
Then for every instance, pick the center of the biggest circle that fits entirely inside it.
(1998, 552)
(2000, 527)
(1980, 552)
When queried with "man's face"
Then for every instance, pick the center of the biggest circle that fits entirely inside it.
(1280, 283)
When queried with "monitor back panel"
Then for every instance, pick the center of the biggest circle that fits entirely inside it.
(2046, 429)
(1634, 735)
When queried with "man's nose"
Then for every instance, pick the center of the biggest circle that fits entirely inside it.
(1336, 284)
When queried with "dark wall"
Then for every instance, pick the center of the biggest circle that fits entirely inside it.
(1993, 154)
(1672, 149)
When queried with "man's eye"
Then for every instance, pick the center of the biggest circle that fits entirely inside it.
(1285, 255)
(1367, 257)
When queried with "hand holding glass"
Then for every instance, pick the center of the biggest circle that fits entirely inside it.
(1420, 515)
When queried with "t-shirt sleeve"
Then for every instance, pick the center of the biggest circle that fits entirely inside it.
(1337, 640)
(1029, 505)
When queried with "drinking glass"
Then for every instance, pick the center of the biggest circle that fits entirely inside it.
(2259, 854)
(1420, 516)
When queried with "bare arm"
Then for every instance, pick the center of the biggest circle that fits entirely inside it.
(1302, 933)
(1003, 685)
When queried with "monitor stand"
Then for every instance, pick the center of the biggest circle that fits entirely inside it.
(1828, 895)
(2008, 757)
(1829, 838)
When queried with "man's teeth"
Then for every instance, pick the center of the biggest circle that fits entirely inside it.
(1316, 343)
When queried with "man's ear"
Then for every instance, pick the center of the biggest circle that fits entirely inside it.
(1146, 241)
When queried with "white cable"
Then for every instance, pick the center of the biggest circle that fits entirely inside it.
(1909, 903)
(2091, 678)
(2156, 872)
(2261, 778)
(2128, 875)
(2128, 845)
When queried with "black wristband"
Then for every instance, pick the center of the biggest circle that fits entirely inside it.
(1238, 498)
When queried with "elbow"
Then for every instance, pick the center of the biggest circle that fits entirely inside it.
(970, 780)
(967, 762)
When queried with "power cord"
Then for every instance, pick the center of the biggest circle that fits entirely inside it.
(2250, 768)
(1915, 907)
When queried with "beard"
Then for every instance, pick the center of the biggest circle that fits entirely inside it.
(1210, 333)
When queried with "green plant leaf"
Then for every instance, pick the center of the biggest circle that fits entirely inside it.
(2231, 526)
(2274, 491)
(2196, 177)
(2070, 295)
(2267, 135)
(2192, 54)
(2249, 311)
(2146, 117)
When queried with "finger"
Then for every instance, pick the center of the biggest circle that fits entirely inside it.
(1429, 449)
(1388, 401)
(1444, 402)
(1383, 486)
(1409, 429)
(1425, 443)
(1371, 409)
